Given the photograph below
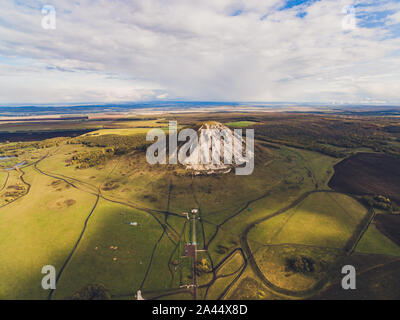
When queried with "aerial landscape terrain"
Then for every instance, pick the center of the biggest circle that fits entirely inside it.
(77, 193)
(199, 154)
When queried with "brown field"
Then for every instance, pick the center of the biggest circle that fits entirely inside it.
(368, 173)
(380, 282)
(389, 225)
(39, 135)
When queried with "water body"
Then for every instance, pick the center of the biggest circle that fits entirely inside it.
(5, 158)
(16, 166)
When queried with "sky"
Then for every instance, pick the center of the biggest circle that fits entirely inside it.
(321, 51)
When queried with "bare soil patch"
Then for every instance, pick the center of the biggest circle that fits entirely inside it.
(368, 173)
(62, 204)
(389, 225)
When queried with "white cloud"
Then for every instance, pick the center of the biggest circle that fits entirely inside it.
(127, 50)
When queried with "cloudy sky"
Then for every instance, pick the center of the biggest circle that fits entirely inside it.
(329, 51)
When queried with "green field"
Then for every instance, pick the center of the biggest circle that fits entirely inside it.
(322, 219)
(240, 124)
(375, 242)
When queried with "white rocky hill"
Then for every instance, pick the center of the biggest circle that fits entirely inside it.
(214, 154)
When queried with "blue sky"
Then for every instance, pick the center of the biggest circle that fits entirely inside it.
(226, 50)
(293, 3)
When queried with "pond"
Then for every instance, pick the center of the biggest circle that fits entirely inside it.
(16, 166)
